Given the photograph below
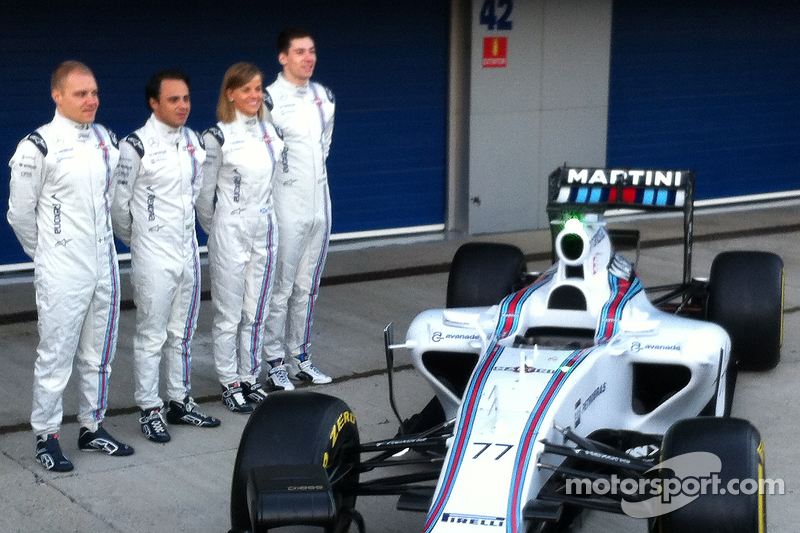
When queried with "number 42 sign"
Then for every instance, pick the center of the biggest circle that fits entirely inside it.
(496, 16)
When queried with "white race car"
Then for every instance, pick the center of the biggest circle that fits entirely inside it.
(554, 392)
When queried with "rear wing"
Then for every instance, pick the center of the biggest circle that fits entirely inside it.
(596, 190)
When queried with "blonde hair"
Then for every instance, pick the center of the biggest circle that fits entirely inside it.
(65, 69)
(238, 75)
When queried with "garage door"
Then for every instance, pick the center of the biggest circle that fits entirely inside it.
(386, 63)
(709, 85)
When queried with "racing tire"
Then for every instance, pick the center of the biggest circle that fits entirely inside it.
(299, 428)
(484, 273)
(741, 508)
(746, 298)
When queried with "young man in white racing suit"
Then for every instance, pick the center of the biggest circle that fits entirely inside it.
(156, 184)
(304, 111)
(59, 209)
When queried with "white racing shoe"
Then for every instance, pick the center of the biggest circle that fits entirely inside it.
(306, 371)
(279, 378)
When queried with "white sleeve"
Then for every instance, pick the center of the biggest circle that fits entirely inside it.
(327, 136)
(198, 179)
(280, 150)
(28, 174)
(123, 184)
(327, 133)
(204, 205)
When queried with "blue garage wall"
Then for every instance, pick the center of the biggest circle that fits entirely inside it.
(709, 85)
(386, 63)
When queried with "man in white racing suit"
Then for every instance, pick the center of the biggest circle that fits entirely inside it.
(59, 209)
(304, 111)
(156, 184)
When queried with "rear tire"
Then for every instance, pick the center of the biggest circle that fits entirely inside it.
(746, 298)
(484, 273)
(740, 449)
(290, 428)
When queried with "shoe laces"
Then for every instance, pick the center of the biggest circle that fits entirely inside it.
(155, 420)
(277, 369)
(308, 366)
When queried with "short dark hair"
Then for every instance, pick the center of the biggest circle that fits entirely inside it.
(153, 87)
(288, 35)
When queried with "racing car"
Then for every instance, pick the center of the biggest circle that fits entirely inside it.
(569, 389)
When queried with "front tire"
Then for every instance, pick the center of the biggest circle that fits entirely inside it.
(740, 449)
(292, 428)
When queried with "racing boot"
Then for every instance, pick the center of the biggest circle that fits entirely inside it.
(279, 378)
(49, 454)
(153, 425)
(102, 441)
(304, 369)
(253, 393)
(186, 412)
(233, 399)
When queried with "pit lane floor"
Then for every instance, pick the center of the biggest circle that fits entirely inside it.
(184, 485)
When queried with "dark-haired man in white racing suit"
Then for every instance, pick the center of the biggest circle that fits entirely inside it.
(156, 185)
(304, 110)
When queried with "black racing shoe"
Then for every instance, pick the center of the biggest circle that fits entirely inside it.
(233, 399)
(153, 425)
(253, 392)
(48, 452)
(186, 412)
(102, 441)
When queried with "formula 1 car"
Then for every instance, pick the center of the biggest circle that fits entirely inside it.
(559, 391)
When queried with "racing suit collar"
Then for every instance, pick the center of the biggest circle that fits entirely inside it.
(165, 131)
(246, 122)
(65, 122)
(288, 86)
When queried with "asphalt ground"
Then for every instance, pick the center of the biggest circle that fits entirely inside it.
(184, 485)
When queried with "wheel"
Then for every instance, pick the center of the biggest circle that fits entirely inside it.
(298, 428)
(746, 298)
(724, 507)
(483, 273)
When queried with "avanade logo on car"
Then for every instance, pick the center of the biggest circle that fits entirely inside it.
(438, 336)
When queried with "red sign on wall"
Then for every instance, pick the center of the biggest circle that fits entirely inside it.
(495, 52)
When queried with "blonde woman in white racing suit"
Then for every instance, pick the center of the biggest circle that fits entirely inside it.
(242, 152)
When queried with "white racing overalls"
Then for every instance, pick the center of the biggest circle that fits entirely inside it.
(303, 208)
(241, 158)
(59, 209)
(156, 184)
